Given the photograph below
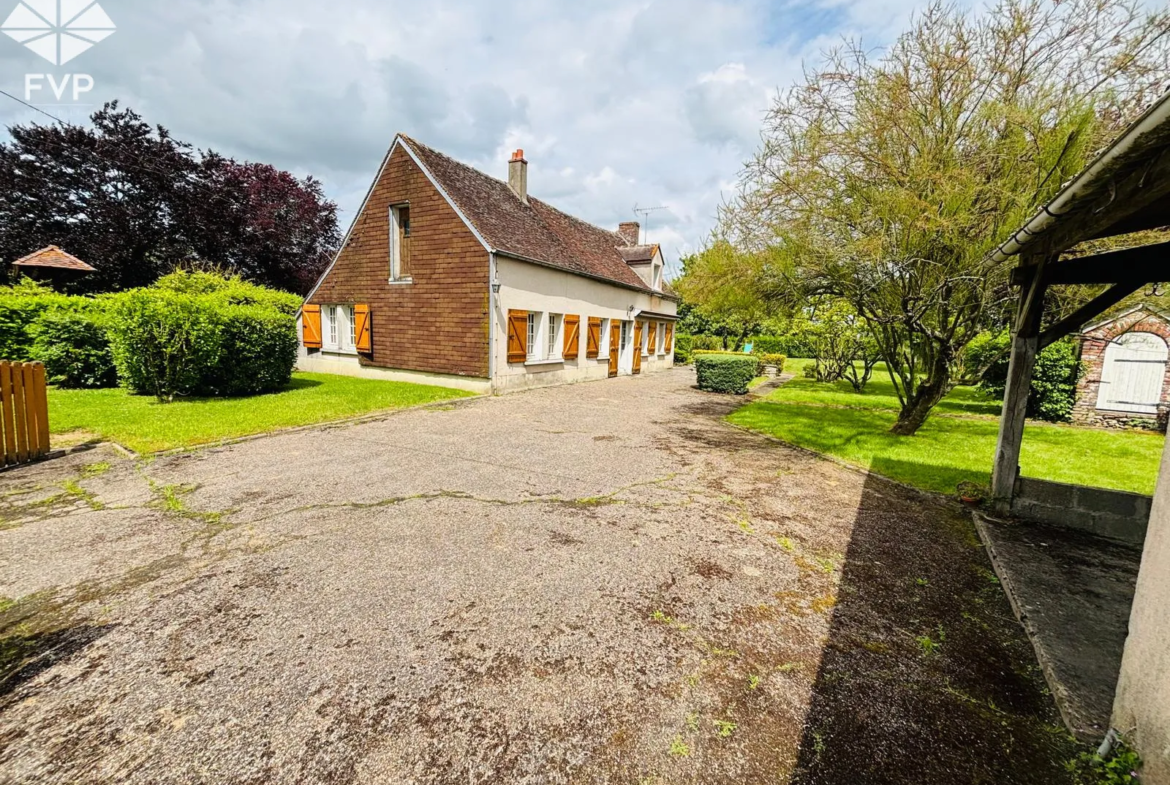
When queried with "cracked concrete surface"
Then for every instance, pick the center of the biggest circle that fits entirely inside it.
(595, 583)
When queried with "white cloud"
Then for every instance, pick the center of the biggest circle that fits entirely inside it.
(655, 102)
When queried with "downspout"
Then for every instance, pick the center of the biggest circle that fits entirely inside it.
(493, 282)
(1155, 116)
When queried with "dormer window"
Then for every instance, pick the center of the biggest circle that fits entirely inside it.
(657, 277)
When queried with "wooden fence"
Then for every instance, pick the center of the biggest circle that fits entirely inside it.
(24, 412)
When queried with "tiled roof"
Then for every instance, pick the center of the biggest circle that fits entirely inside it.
(534, 231)
(634, 254)
(53, 257)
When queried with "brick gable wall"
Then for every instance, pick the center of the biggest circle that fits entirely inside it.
(1093, 345)
(437, 324)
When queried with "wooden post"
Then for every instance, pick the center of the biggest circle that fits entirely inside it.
(1025, 345)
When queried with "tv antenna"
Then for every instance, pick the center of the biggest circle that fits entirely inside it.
(644, 212)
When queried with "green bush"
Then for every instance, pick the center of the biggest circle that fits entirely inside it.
(1054, 381)
(776, 360)
(682, 349)
(792, 345)
(165, 343)
(258, 350)
(228, 290)
(725, 372)
(74, 346)
(707, 342)
(20, 307)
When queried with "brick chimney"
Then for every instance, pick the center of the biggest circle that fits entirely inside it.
(518, 175)
(630, 231)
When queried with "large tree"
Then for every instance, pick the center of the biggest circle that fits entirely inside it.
(135, 203)
(886, 182)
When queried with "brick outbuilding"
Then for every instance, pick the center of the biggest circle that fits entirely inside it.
(1126, 383)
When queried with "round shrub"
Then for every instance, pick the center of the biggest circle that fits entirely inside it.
(258, 350)
(75, 348)
(165, 343)
(725, 372)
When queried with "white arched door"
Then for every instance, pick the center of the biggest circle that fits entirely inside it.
(1132, 374)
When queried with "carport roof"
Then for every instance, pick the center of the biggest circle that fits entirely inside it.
(1125, 189)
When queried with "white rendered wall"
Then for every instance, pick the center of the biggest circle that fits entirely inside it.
(530, 287)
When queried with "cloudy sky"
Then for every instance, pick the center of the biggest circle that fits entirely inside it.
(647, 102)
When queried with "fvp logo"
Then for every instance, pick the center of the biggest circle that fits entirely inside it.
(58, 30)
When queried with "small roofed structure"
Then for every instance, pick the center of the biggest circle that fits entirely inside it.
(52, 265)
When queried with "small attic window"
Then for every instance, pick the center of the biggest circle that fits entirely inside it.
(400, 243)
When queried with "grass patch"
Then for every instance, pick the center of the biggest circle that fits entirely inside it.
(949, 449)
(142, 424)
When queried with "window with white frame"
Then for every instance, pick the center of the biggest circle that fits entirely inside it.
(533, 334)
(603, 339)
(657, 276)
(400, 269)
(625, 336)
(337, 328)
(661, 338)
(552, 351)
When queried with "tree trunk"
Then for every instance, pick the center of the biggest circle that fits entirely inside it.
(918, 407)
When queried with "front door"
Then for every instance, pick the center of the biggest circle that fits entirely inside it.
(637, 347)
(615, 348)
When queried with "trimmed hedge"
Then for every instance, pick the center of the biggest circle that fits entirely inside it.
(21, 306)
(791, 345)
(75, 347)
(227, 290)
(257, 353)
(776, 360)
(725, 372)
(167, 343)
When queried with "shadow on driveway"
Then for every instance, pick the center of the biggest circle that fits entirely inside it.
(926, 676)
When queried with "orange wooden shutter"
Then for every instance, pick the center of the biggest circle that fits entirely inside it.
(361, 331)
(311, 326)
(517, 336)
(652, 340)
(669, 337)
(593, 338)
(572, 337)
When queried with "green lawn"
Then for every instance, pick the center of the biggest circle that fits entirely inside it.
(142, 424)
(957, 443)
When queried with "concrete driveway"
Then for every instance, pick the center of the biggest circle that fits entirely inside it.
(596, 583)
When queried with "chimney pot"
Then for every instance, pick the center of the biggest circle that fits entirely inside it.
(518, 155)
(630, 231)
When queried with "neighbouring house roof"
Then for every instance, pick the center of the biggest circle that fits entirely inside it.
(53, 257)
(531, 231)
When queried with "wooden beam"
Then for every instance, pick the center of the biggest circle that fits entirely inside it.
(1141, 265)
(1098, 305)
(1025, 345)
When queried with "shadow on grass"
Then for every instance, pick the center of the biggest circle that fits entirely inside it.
(294, 385)
(926, 677)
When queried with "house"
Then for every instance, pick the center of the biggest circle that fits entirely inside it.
(449, 276)
(1125, 376)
